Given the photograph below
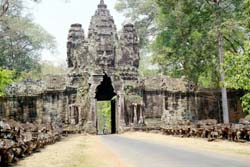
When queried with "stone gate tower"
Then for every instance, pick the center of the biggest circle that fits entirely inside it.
(102, 65)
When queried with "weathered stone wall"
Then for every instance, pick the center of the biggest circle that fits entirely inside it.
(153, 101)
(209, 105)
(45, 108)
(21, 109)
(160, 107)
(103, 65)
(163, 107)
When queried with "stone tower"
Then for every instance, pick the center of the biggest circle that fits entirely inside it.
(102, 38)
(106, 63)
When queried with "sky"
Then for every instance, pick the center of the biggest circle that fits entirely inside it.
(56, 16)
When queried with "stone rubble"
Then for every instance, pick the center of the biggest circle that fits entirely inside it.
(18, 140)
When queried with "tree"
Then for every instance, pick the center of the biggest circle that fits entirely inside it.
(142, 13)
(247, 12)
(237, 67)
(186, 43)
(192, 33)
(21, 40)
(4, 5)
(189, 35)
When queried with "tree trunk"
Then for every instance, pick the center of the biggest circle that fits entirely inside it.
(221, 62)
(222, 77)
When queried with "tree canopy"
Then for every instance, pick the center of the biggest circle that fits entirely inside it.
(190, 37)
(237, 67)
(187, 40)
(142, 13)
(184, 34)
(21, 40)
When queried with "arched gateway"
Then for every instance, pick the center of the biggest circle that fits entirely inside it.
(101, 66)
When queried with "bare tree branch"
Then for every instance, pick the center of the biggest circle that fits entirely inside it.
(4, 8)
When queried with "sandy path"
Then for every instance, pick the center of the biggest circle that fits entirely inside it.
(75, 151)
(223, 147)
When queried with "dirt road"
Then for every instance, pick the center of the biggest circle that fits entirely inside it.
(75, 151)
(139, 150)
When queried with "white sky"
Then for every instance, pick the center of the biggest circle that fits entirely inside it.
(56, 16)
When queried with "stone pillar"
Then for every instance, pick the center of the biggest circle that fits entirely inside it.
(72, 116)
(66, 119)
(120, 111)
(163, 102)
(80, 122)
(196, 105)
(141, 119)
(7, 108)
(94, 80)
(135, 113)
(60, 108)
(26, 117)
(93, 110)
(39, 109)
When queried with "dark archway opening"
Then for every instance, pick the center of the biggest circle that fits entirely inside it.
(105, 93)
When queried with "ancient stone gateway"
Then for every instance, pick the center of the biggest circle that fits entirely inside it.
(103, 63)
(103, 66)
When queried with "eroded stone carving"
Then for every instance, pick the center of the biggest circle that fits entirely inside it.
(129, 46)
(74, 46)
(101, 54)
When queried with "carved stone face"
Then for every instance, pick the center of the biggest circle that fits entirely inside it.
(101, 50)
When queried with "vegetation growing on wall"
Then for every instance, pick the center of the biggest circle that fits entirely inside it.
(6, 77)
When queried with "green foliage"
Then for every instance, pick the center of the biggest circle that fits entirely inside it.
(142, 13)
(6, 77)
(208, 80)
(184, 35)
(247, 12)
(21, 40)
(186, 44)
(246, 103)
(237, 67)
(104, 115)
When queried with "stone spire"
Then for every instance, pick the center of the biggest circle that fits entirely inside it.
(102, 37)
(76, 38)
(102, 4)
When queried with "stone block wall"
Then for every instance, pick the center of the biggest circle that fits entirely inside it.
(45, 108)
(164, 107)
(23, 109)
